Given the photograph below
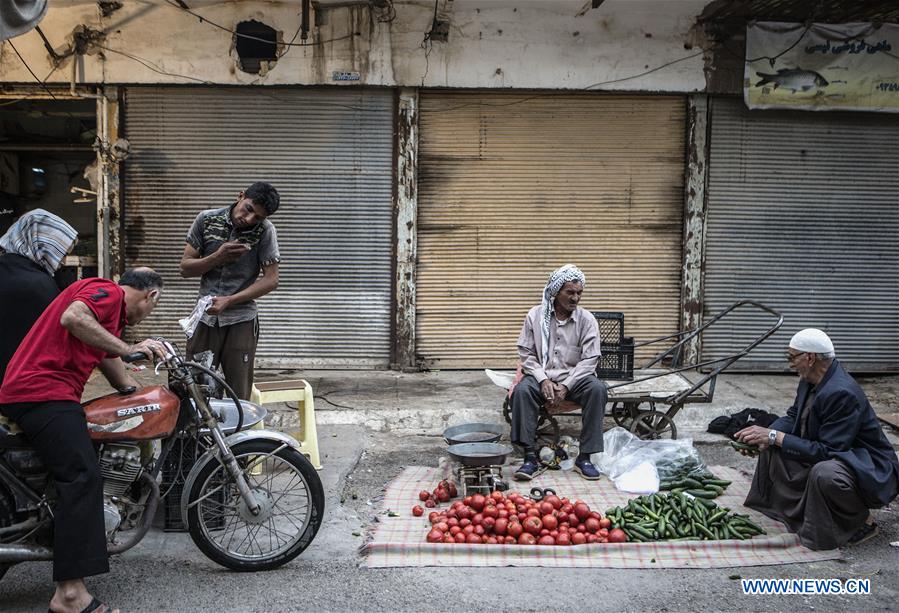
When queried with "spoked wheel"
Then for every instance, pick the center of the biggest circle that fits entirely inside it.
(652, 425)
(623, 413)
(507, 410)
(7, 517)
(292, 505)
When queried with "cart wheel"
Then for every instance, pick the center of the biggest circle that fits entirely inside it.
(623, 413)
(651, 425)
(547, 428)
(507, 410)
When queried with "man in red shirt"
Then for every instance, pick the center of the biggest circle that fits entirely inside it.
(42, 391)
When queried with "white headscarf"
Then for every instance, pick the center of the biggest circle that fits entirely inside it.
(42, 237)
(559, 277)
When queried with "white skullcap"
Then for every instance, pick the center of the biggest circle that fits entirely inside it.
(812, 340)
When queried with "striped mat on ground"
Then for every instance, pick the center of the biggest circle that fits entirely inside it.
(400, 541)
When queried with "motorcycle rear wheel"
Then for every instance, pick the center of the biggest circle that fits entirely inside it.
(292, 499)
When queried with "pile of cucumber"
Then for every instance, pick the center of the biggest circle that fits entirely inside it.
(680, 517)
(699, 485)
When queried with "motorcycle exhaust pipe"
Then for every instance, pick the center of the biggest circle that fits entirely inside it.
(14, 553)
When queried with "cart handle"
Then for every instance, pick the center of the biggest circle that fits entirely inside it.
(727, 361)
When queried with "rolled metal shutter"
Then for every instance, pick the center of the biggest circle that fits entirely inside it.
(803, 217)
(511, 186)
(329, 153)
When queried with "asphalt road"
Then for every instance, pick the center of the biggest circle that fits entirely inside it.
(167, 573)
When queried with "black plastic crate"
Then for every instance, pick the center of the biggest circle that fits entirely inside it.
(181, 459)
(611, 326)
(617, 361)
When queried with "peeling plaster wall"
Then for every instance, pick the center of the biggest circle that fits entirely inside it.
(541, 44)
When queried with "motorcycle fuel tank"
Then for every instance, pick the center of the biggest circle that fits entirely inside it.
(148, 413)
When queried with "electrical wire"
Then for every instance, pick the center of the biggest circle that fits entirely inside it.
(151, 66)
(251, 37)
(36, 78)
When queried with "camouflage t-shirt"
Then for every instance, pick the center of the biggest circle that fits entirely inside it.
(212, 228)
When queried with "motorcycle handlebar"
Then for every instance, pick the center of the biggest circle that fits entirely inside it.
(134, 357)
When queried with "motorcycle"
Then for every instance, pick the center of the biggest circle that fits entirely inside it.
(251, 501)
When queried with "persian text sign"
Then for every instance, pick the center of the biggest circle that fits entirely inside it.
(850, 66)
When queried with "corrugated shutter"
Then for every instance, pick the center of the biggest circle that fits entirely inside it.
(512, 186)
(330, 155)
(803, 217)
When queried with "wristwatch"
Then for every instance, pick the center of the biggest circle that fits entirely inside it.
(772, 437)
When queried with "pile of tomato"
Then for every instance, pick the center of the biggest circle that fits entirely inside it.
(513, 519)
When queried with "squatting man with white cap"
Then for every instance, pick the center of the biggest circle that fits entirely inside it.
(827, 462)
(559, 349)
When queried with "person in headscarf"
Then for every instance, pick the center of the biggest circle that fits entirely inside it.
(824, 465)
(34, 248)
(559, 350)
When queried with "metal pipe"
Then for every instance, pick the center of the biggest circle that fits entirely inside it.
(14, 553)
(146, 519)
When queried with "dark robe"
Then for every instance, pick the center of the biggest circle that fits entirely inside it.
(835, 463)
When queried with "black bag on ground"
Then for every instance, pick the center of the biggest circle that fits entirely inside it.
(729, 425)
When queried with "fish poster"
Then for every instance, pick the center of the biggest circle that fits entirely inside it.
(821, 66)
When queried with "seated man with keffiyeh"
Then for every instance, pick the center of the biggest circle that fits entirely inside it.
(559, 349)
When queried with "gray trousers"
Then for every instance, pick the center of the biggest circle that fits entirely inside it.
(234, 348)
(527, 399)
(820, 502)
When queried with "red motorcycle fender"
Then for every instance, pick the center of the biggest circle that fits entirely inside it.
(212, 455)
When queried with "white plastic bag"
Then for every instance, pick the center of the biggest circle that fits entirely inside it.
(641, 479)
(623, 451)
(189, 324)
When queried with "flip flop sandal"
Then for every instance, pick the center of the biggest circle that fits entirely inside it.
(94, 606)
(865, 533)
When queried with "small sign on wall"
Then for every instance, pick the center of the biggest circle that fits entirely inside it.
(345, 75)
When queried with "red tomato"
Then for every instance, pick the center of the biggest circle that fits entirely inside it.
(502, 513)
(567, 508)
(473, 539)
(457, 505)
(605, 523)
(424, 495)
(550, 522)
(497, 496)
(533, 525)
(592, 525)
(433, 517)
(563, 539)
(478, 519)
(468, 529)
(581, 511)
(515, 529)
(464, 522)
(546, 540)
(453, 492)
(465, 513)
(563, 517)
(527, 538)
(441, 495)
(511, 540)
(534, 512)
(454, 530)
(582, 529)
(617, 536)
(595, 515)
(477, 502)
(603, 540)
(417, 511)
(467, 501)
(490, 511)
(452, 521)
(435, 536)
(522, 516)
(545, 508)
(430, 503)
(479, 530)
(555, 501)
(543, 532)
(578, 539)
(461, 537)
(442, 526)
(592, 538)
(488, 523)
(501, 526)
(603, 533)
(491, 540)
(573, 521)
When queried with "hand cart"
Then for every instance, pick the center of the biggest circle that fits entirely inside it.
(647, 405)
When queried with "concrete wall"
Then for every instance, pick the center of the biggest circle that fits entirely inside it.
(556, 44)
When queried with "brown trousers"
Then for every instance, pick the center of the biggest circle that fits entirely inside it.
(820, 503)
(234, 348)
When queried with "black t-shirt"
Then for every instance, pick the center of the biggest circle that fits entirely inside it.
(25, 291)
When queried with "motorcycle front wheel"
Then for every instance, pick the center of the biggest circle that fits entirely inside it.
(288, 491)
